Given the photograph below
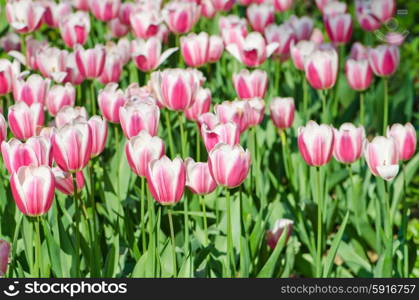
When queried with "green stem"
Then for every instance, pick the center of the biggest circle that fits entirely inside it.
(286, 157)
(319, 226)
(169, 131)
(116, 133)
(204, 212)
(229, 235)
(186, 221)
(385, 117)
(362, 108)
(94, 246)
(142, 204)
(14, 243)
(325, 118)
(38, 250)
(405, 218)
(172, 236)
(93, 97)
(198, 144)
(182, 133)
(77, 225)
(305, 96)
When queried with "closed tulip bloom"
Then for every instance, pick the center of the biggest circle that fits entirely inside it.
(201, 105)
(316, 143)
(24, 16)
(59, 96)
(75, 28)
(123, 47)
(99, 128)
(216, 48)
(145, 24)
(234, 111)
(233, 29)
(303, 27)
(348, 143)
(141, 150)
(229, 165)
(384, 10)
(382, 157)
(55, 11)
(138, 116)
(180, 17)
(273, 235)
(32, 90)
(125, 12)
(334, 8)
(256, 111)
(147, 54)
(24, 119)
(198, 177)
(283, 35)
(207, 9)
(209, 119)
(105, 10)
(227, 133)
(384, 60)
(10, 41)
(223, 5)
(72, 146)
(91, 62)
(36, 152)
(321, 68)
(73, 73)
(282, 112)
(4, 256)
(282, 5)
(117, 29)
(112, 69)
(166, 180)
(358, 51)
(64, 181)
(110, 99)
(260, 16)
(250, 84)
(195, 49)
(339, 28)
(32, 48)
(253, 50)
(68, 114)
(6, 77)
(300, 52)
(3, 128)
(175, 88)
(51, 63)
(33, 189)
(358, 74)
(405, 138)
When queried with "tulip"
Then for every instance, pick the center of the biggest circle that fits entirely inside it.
(112, 69)
(209, 119)
(234, 111)
(229, 165)
(147, 54)
(201, 105)
(348, 143)
(365, 16)
(110, 100)
(382, 157)
(51, 63)
(75, 28)
(384, 10)
(273, 235)
(198, 177)
(72, 146)
(175, 88)
(395, 38)
(250, 84)
(68, 114)
(358, 51)
(36, 152)
(321, 68)
(181, 16)
(207, 9)
(46, 132)
(260, 16)
(216, 48)
(33, 46)
(303, 27)
(141, 150)
(24, 119)
(6, 77)
(64, 181)
(283, 35)
(166, 179)
(33, 189)
(138, 116)
(282, 5)
(134, 93)
(59, 96)
(117, 29)
(222, 5)
(123, 47)
(4, 256)
(195, 49)
(81, 4)
(252, 50)
(54, 12)
(3, 128)
(24, 16)
(405, 138)
(358, 73)
(145, 24)
(334, 8)
(317, 36)
(73, 74)
(227, 133)
(339, 28)
(9, 42)
(256, 111)
(282, 112)
(233, 29)
(105, 10)
(125, 12)
(321, 4)
(300, 52)
(32, 90)
(91, 62)
(384, 60)
(99, 129)
(316, 143)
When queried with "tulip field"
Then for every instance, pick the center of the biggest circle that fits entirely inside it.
(209, 138)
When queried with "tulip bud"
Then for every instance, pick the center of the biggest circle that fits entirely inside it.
(348, 143)
(405, 138)
(138, 116)
(234, 111)
(250, 84)
(384, 10)
(198, 177)
(33, 189)
(256, 111)
(233, 29)
(303, 27)
(3, 128)
(216, 48)
(24, 16)
(166, 180)
(4, 256)
(227, 133)
(99, 129)
(282, 112)
(110, 100)
(117, 29)
(145, 24)
(64, 181)
(32, 90)
(273, 235)
(54, 12)
(358, 73)
(195, 49)
(229, 165)
(59, 96)
(181, 16)
(201, 105)
(112, 69)
(321, 68)
(284, 36)
(105, 10)
(358, 51)
(384, 60)
(382, 157)
(68, 114)
(147, 54)
(339, 28)
(24, 119)
(282, 5)
(260, 16)
(6, 77)
(300, 52)
(91, 61)
(316, 143)
(141, 150)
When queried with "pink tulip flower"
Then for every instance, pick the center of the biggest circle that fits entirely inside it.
(358, 51)
(300, 52)
(3, 128)
(216, 48)
(51, 63)
(145, 24)
(358, 74)
(75, 28)
(282, 112)
(349, 141)
(105, 10)
(110, 100)
(195, 49)
(284, 36)
(32, 90)
(250, 84)
(334, 8)
(227, 133)
(91, 62)
(59, 96)
(303, 27)
(273, 235)
(99, 129)
(24, 119)
(395, 38)
(384, 60)
(125, 12)
(198, 177)
(25, 16)
(180, 17)
(112, 69)
(209, 119)
(10, 41)
(260, 16)
(73, 74)
(207, 9)
(339, 28)
(233, 29)
(68, 114)
(405, 138)
(256, 111)
(382, 157)
(234, 111)
(54, 12)
(201, 105)
(282, 5)
(64, 181)
(81, 4)
(321, 68)
(384, 10)
(4, 256)
(138, 116)
(147, 54)
(117, 29)
(6, 77)
(222, 5)
(321, 4)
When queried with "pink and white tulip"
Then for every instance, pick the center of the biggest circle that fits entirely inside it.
(282, 5)
(54, 12)
(91, 62)
(145, 24)
(195, 49)
(24, 119)
(198, 177)
(3, 128)
(51, 63)
(349, 141)
(138, 116)
(233, 29)
(384, 60)
(273, 235)
(284, 36)
(73, 73)
(59, 96)
(334, 8)
(147, 54)
(117, 29)
(105, 10)
(216, 48)
(358, 51)
(384, 10)
(222, 5)
(68, 114)
(125, 12)
(321, 68)
(75, 28)
(339, 28)
(10, 41)
(250, 84)
(110, 100)
(6, 77)
(358, 74)
(112, 69)
(24, 16)
(32, 90)
(234, 111)
(200, 106)
(260, 16)
(4, 256)
(99, 129)
(303, 27)
(256, 111)
(382, 157)
(180, 17)
(282, 112)
(405, 138)
(300, 52)
(227, 133)
(64, 181)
